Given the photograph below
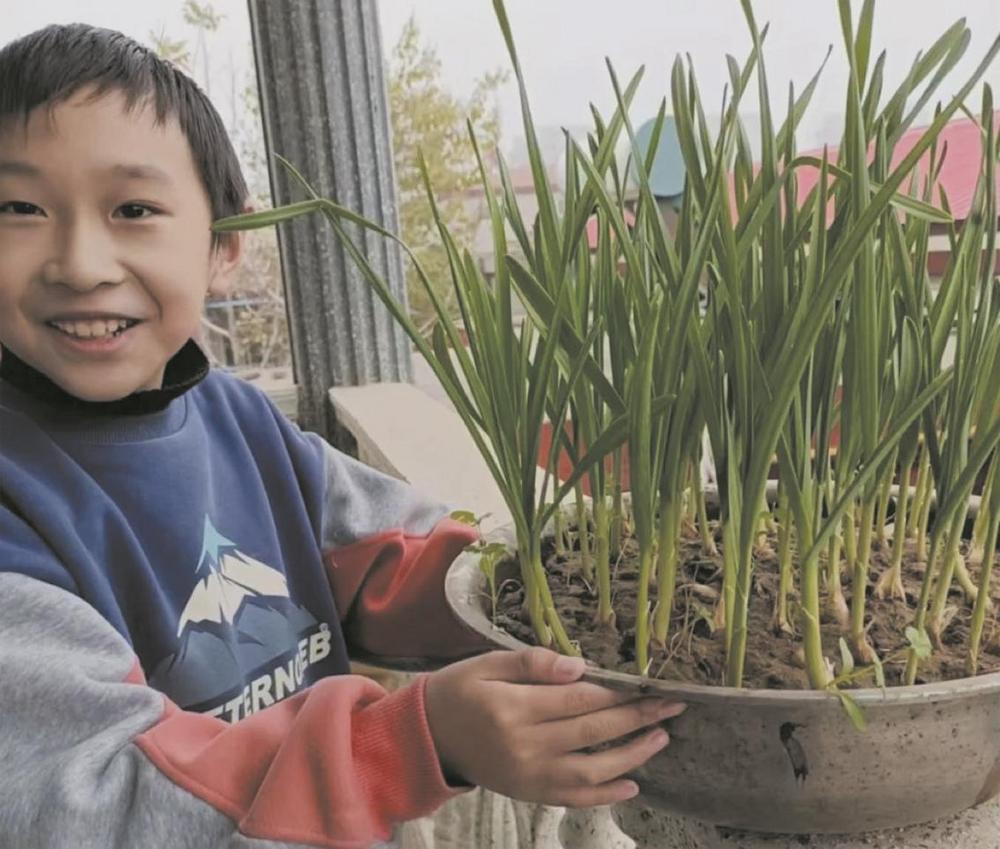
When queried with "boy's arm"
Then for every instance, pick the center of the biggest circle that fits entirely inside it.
(387, 548)
(94, 757)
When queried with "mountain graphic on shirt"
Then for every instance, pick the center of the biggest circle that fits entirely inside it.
(228, 578)
(238, 619)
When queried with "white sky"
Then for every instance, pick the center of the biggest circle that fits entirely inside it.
(563, 44)
(231, 48)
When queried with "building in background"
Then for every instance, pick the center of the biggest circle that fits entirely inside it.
(963, 161)
(667, 174)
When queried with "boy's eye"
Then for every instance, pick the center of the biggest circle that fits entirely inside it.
(131, 211)
(19, 207)
(136, 210)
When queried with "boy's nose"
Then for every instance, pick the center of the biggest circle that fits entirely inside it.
(85, 258)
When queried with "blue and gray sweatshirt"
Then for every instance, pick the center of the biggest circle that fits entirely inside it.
(182, 576)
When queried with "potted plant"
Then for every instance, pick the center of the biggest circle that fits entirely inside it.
(838, 574)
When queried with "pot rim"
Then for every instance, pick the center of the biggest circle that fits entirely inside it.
(464, 582)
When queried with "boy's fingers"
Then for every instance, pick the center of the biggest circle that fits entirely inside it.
(532, 666)
(595, 729)
(599, 768)
(576, 699)
(610, 793)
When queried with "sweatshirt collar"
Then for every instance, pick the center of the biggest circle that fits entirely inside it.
(187, 368)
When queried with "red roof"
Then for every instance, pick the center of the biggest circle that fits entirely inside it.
(521, 178)
(959, 173)
(592, 227)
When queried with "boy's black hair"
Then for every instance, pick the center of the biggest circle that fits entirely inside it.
(50, 65)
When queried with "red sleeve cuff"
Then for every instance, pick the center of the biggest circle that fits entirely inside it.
(389, 591)
(337, 765)
(398, 763)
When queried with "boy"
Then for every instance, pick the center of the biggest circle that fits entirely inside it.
(182, 570)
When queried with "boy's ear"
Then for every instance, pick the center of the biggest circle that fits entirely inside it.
(226, 258)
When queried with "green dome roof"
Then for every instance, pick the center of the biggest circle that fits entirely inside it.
(667, 176)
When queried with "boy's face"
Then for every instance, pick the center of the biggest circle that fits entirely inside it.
(105, 256)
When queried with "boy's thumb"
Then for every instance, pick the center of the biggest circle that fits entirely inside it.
(538, 666)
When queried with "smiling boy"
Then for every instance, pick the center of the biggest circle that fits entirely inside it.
(182, 570)
(101, 306)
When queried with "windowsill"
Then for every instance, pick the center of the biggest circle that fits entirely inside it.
(277, 383)
(404, 432)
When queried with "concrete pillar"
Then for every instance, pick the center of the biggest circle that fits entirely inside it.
(324, 107)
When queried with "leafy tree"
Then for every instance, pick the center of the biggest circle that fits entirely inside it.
(250, 328)
(429, 120)
(426, 118)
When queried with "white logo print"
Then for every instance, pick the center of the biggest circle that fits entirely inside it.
(232, 576)
(244, 642)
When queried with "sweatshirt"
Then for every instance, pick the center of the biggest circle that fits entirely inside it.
(183, 575)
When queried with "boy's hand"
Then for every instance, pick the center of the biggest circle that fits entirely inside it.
(515, 722)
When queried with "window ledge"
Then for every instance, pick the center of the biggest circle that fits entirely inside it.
(406, 433)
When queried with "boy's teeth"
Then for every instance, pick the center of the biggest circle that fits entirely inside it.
(91, 329)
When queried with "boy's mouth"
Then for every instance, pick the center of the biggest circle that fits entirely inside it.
(93, 328)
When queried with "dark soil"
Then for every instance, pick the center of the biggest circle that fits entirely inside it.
(695, 652)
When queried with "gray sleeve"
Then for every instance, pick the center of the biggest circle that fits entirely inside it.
(72, 774)
(361, 502)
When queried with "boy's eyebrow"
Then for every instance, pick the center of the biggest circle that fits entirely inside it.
(16, 168)
(140, 172)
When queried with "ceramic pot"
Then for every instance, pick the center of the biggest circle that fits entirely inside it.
(790, 761)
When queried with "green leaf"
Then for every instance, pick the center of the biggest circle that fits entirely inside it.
(862, 48)
(879, 672)
(490, 557)
(915, 207)
(267, 217)
(846, 658)
(887, 446)
(641, 431)
(610, 439)
(540, 303)
(919, 641)
(466, 517)
(853, 710)
(547, 215)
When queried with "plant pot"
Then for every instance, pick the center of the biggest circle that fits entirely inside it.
(790, 761)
